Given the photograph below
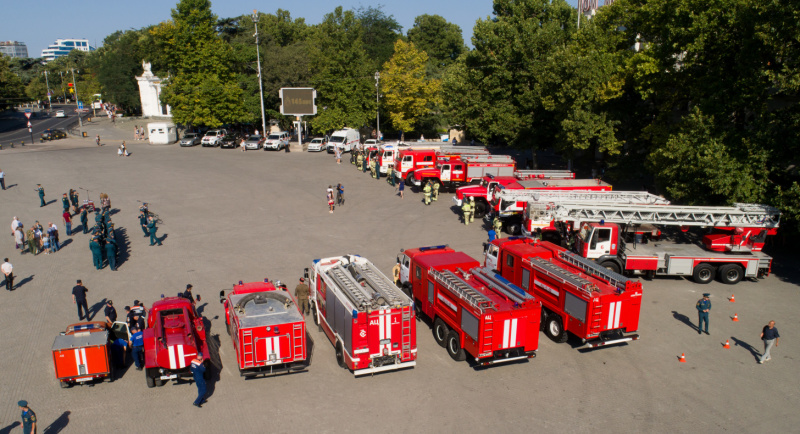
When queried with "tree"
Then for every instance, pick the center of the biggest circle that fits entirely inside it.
(11, 89)
(379, 33)
(440, 39)
(201, 89)
(343, 75)
(408, 93)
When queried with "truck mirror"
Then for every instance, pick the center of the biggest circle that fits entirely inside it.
(222, 296)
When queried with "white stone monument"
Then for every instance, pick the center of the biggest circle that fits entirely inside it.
(149, 94)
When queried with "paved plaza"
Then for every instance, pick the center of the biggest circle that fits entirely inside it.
(230, 215)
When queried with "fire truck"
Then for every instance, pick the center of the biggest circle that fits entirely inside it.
(174, 335)
(267, 329)
(452, 172)
(408, 159)
(730, 250)
(474, 310)
(81, 354)
(367, 318)
(578, 296)
(483, 191)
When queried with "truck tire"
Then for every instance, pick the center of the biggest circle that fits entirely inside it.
(417, 309)
(730, 274)
(440, 331)
(454, 347)
(227, 327)
(340, 355)
(554, 329)
(513, 229)
(703, 273)
(481, 208)
(610, 266)
(149, 378)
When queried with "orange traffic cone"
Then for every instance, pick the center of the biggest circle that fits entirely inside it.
(727, 344)
(732, 299)
(682, 358)
(735, 317)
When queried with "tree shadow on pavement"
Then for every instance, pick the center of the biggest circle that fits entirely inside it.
(10, 428)
(59, 424)
(740, 343)
(685, 319)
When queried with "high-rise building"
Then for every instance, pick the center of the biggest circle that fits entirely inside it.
(14, 49)
(62, 47)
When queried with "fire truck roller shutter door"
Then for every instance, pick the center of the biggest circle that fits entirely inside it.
(575, 307)
(470, 324)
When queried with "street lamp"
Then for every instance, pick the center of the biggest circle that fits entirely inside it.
(77, 101)
(49, 102)
(378, 102)
(64, 92)
(260, 86)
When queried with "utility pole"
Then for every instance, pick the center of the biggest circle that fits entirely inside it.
(378, 102)
(49, 101)
(64, 92)
(75, 86)
(260, 85)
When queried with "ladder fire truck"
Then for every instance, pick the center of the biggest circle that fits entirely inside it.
(408, 159)
(367, 318)
(578, 296)
(454, 171)
(730, 251)
(474, 310)
(267, 329)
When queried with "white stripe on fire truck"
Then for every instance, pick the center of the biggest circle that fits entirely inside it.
(181, 358)
(77, 360)
(513, 341)
(171, 351)
(616, 314)
(83, 358)
(388, 321)
(505, 334)
(381, 329)
(268, 343)
(276, 347)
(611, 307)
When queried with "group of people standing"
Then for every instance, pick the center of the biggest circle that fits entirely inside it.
(335, 197)
(138, 133)
(36, 239)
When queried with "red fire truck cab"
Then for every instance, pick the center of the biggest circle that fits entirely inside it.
(473, 310)
(174, 334)
(266, 327)
(452, 172)
(408, 159)
(368, 320)
(578, 296)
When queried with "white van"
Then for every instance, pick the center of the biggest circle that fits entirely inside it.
(345, 139)
(162, 133)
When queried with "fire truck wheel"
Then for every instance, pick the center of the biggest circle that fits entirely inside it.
(513, 229)
(730, 273)
(480, 209)
(703, 273)
(149, 379)
(440, 331)
(454, 347)
(555, 329)
(611, 266)
(340, 355)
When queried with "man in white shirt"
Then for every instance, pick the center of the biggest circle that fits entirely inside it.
(3, 179)
(14, 224)
(7, 269)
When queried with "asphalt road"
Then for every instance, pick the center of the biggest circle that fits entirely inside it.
(230, 216)
(14, 125)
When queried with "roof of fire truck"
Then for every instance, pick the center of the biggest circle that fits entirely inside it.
(263, 307)
(496, 301)
(441, 256)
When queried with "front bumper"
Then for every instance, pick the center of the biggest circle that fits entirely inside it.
(505, 356)
(383, 368)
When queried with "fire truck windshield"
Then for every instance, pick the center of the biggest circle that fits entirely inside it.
(585, 234)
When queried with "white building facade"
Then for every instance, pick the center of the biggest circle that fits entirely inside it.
(62, 47)
(14, 49)
(150, 94)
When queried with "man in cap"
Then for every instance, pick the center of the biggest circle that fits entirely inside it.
(28, 418)
(703, 306)
(188, 293)
(111, 313)
(79, 299)
(137, 347)
(198, 371)
(301, 291)
(151, 226)
(40, 190)
(143, 222)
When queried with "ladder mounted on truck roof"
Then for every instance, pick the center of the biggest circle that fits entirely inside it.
(462, 150)
(350, 287)
(578, 196)
(482, 158)
(739, 215)
(592, 268)
(381, 284)
(564, 276)
(545, 174)
(512, 292)
(460, 288)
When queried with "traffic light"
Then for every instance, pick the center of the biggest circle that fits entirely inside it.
(69, 84)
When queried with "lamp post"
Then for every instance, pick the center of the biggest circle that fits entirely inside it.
(378, 102)
(64, 92)
(77, 100)
(260, 85)
(49, 101)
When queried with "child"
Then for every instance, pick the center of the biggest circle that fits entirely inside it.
(330, 201)
(340, 194)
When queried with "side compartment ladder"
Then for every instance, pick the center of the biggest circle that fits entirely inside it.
(247, 348)
(406, 331)
(459, 287)
(297, 342)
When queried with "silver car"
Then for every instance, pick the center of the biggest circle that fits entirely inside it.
(317, 145)
(253, 142)
(191, 139)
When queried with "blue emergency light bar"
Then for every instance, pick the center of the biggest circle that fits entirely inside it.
(425, 249)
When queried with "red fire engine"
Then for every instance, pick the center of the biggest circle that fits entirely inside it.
(483, 191)
(474, 310)
(578, 296)
(455, 171)
(267, 329)
(81, 354)
(174, 335)
(610, 235)
(407, 160)
(369, 321)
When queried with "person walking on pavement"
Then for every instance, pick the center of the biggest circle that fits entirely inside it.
(401, 187)
(28, 418)
(65, 202)
(19, 238)
(427, 192)
(97, 139)
(151, 226)
(143, 222)
(330, 201)
(79, 299)
(703, 306)
(339, 194)
(14, 224)
(85, 220)
(52, 231)
(3, 179)
(301, 291)
(40, 190)
(67, 222)
(137, 347)
(770, 336)
(198, 372)
(436, 186)
(7, 270)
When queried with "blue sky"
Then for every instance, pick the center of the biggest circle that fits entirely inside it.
(40, 23)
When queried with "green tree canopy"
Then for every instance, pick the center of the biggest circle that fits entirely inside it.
(440, 39)
(408, 94)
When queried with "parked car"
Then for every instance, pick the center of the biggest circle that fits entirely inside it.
(232, 140)
(277, 141)
(213, 138)
(191, 139)
(60, 114)
(371, 142)
(254, 142)
(317, 144)
(53, 134)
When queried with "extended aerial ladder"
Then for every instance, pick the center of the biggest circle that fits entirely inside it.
(546, 174)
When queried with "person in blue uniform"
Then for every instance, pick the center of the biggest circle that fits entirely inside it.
(111, 253)
(137, 347)
(28, 418)
(703, 306)
(85, 220)
(198, 372)
(143, 222)
(40, 190)
(97, 252)
(151, 226)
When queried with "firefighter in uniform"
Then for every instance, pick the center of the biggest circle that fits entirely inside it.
(365, 161)
(65, 202)
(466, 209)
(372, 167)
(396, 272)
(28, 418)
(359, 160)
(73, 197)
(111, 248)
(390, 174)
(151, 226)
(427, 191)
(40, 190)
(497, 224)
(436, 186)
(301, 291)
(471, 209)
(377, 168)
(703, 306)
(198, 373)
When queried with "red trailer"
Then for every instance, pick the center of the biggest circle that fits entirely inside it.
(82, 354)
(369, 321)
(267, 329)
(474, 310)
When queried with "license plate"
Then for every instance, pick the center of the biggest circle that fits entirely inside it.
(169, 377)
(81, 380)
(385, 341)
